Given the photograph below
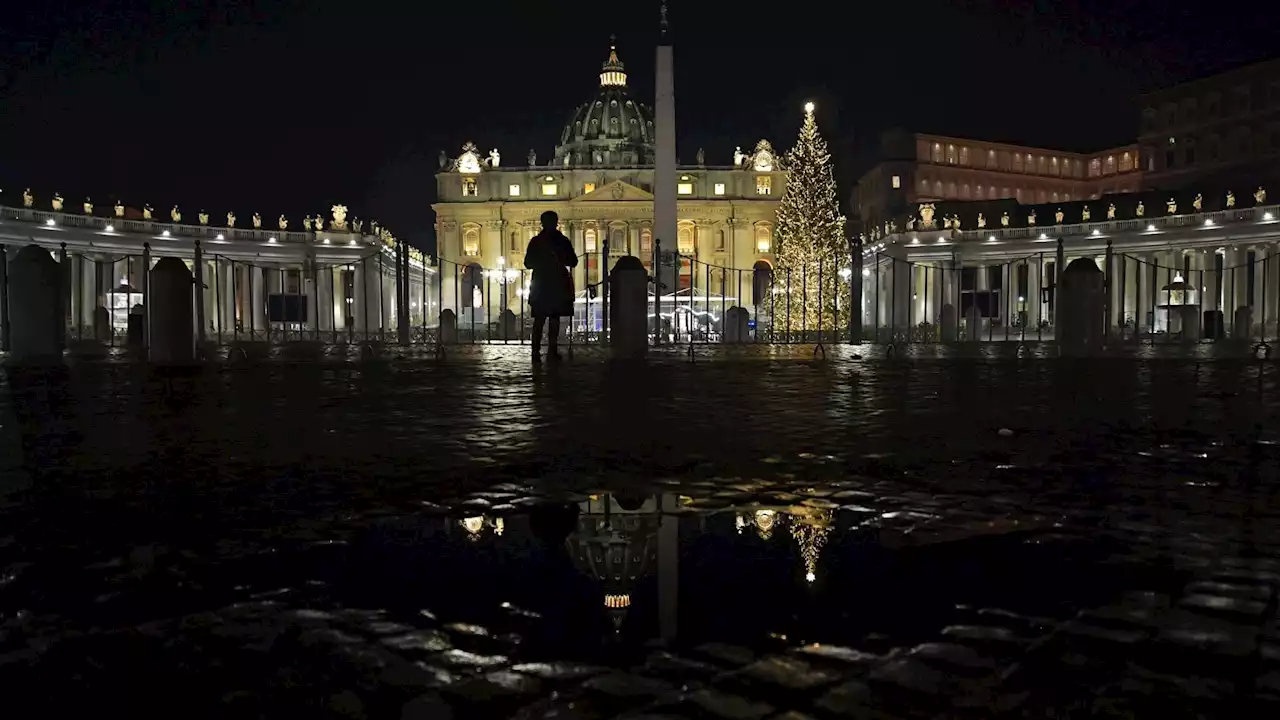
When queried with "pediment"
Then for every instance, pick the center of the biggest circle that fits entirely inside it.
(616, 191)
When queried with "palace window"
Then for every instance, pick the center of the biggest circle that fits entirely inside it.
(964, 191)
(896, 181)
(951, 154)
(618, 241)
(1126, 162)
(1055, 197)
(924, 186)
(1111, 165)
(764, 238)
(719, 188)
(991, 158)
(1057, 169)
(937, 188)
(588, 188)
(981, 195)
(646, 243)
(684, 239)
(764, 184)
(469, 187)
(292, 282)
(513, 190)
(964, 156)
(550, 188)
(951, 190)
(471, 241)
(1041, 166)
(937, 152)
(589, 240)
(1017, 162)
(684, 188)
(1095, 167)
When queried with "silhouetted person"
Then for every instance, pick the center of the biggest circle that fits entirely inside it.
(550, 255)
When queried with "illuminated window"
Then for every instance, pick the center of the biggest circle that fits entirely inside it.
(991, 158)
(980, 192)
(513, 190)
(763, 238)
(550, 188)
(719, 188)
(937, 152)
(684, 188)
(964, 191)
(1017, 162)
(469, 187)
(951, 154)
(471, 241)
(646, 242)
(1126, 162)
(896, 180)
(1095, 167)
(764, 184)
(684, 239)
(588, 188)
(964, 156)
(589, 240)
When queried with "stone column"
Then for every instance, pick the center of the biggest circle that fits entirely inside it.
(388, 287)
(227, 296)
(325, 291)
(258, 298)
(1034, 301)
(901, 289)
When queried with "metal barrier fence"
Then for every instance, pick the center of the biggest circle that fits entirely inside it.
(877, 298)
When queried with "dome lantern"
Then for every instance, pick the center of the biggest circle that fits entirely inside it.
(612, 73)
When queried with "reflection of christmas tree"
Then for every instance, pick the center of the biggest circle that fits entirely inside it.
(475, 526)
(811, 246)
(810, 528)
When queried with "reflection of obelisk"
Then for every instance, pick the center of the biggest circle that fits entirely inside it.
(664, 176)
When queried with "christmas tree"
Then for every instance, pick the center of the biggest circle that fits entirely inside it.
(811, 249)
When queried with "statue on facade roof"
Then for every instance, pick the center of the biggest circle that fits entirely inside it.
(926, 215)
(283, 223)
(1260, 196)
(1171, 205)
(231, 219)
(340, 215)
(203, 217)
(146, 211)
(1231, 199)
(175, 214)
(1141, 210)
(56, 203)
(1198, 203)
(1058, 216)
(982, 221)
(1111, 211)
(739, 157)
(1004, 220)
(495, 158)
(88, 206)
(257, 221)
(27, 198)
(1031, 217)
(306, 223)
(1085, 214)
(762, 160)
(533, 158)
(701, 157)
(356, 224)
(317, 222)
(119, 209)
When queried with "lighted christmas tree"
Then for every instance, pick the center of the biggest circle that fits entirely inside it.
(811, 249)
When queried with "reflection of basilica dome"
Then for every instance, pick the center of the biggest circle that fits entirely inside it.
(611, 129)
(616, 546)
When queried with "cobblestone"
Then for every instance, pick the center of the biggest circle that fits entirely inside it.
(1118, 554)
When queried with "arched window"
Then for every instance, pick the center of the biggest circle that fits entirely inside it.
(937, 152)
(1111, 165)
(646, 244)
(470, 240)
(684, 239)
(761, 278)
(1126, 162)
(618, 240)
(764, 238)
(924, 186)
(951, 189)
(951, 154)
(981, 194)
(589, 240)
(964, 156)
(964, 191)
(1017, 162)
(937, 188)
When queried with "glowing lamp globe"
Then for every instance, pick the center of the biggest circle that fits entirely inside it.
(808, 107)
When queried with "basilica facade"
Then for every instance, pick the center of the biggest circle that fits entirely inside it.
(600, 181)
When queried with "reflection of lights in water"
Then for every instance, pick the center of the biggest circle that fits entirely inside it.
(617, 602)
(473, 526)
(499, 526)
(763, 520)
(810, 531)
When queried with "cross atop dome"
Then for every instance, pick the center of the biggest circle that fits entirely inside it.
(612, 73)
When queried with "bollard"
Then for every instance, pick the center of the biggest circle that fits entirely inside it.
(736, 328)
(448, 333)
(35, 308)
(1082, 309)
(172, 331)
(628, 309)
(948, 322)
(973, 324)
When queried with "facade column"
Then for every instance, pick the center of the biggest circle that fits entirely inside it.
(902, 286)
(258, 289)
(1034, 301)
(321, 299)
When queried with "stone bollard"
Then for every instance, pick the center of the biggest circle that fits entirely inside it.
(973, 324)
(134, 334)
(628, 309)
(102, 321)
(1082, 303)
(507, 325)
(736, 327)
(1242, 328)
(35, 308)
(948, 322)
(1189, 322)
(173, 336)
(448, 333)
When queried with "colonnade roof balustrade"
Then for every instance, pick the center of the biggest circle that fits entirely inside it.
(1233, 226)
(88, 233)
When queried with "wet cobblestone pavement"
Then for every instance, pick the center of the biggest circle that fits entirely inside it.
(965, 537)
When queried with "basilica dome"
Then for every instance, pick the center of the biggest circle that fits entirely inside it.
(611, 129)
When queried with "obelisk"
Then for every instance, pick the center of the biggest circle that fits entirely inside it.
(664, 176)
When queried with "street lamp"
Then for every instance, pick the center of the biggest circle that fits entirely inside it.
(504, 276)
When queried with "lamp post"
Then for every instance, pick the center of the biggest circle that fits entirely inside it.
(504, 276)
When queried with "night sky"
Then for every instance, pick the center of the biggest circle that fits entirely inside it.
(292, 105)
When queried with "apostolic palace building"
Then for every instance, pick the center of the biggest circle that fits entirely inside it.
(600, 181)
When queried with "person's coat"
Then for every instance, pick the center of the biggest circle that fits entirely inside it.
(549, 256)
